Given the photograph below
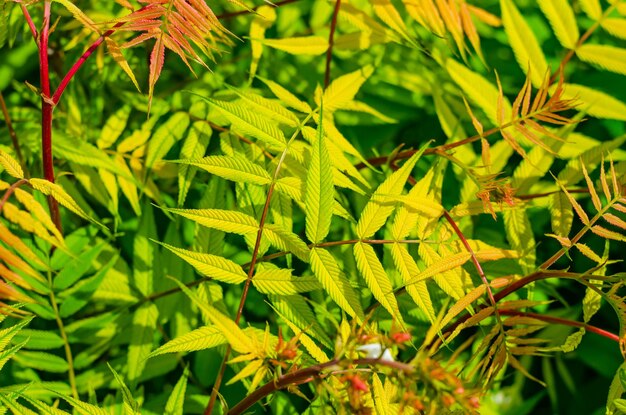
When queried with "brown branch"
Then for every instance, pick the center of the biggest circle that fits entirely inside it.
(563, 321)
(331, 41)
(307, 375)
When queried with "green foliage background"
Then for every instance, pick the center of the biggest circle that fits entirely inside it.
(104, 322)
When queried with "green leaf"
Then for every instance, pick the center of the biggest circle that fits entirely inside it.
(408, 268)
(176, 401)
(236, 168)
(165, 137)
(482, 92)
(562, 19)
(224, 220)
(286, 241)
(145, 253)
(37, 339)
(320, 191)
(60, 195)
(520, 235)
(343, 89)
(114, 127)
(77, 267)
(335, 283)
(214, 266)
(376, 278)
(605, 57)
(142, 335)
(82, 408)
(202, 338)
(267, 107)
(194, 148)
(379, 396)
(11, 165)
(524, 43)
(281, 282)
(131, 407)
(41, 361)
(375, 213)
(236, 337)
(305, 45)
(250, 123)
(287, 97)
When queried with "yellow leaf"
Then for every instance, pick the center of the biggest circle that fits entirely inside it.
(11, 165)
(524, 43)
(306, 45)
(605, 57)
(562, 20)
(60, 195)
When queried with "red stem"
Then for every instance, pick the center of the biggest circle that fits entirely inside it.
(70, 74)
(331, 41)
(46, 113)
(565, 322)
(10, 191)
(31, 24)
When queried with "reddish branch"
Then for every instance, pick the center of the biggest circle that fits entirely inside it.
(307, 375)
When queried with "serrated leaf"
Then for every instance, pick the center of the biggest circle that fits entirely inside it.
(224, 220)
(236, 337)
(60, 195)
(82, 408)
(379, 395)
(42, 361)
(247, 122)
(131, 407)
(606, 57)
(520, 235)
(236, 168)
(562, 19)
(376, 278)
(592, 8)
(165, 136)
(287, 241)
(79, 15)
(194, 148)
(267, 107)
(482, 92)
(616, 26)
(281, 282)
(144, 324)
(206, 337)
(305, 45)
(287, 97)
(176, 401)
(320, 192)
(343, 89)
(335, 283)
(445, 264)
(11, 165)
(375, 213)
(116, 52)
(595, 103)
(214, 266)
(525, 45)
(408, 268)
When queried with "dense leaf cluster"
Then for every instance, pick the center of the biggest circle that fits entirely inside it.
(363, 207)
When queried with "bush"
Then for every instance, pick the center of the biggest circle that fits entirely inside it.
(312, 207)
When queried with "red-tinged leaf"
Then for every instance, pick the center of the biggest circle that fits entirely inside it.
(603, 181)
(605, 233)
(522, 97)
(592, 190)
(116, 53)
(157, 57)
(579, 210)
(614, 220)
(619, 207)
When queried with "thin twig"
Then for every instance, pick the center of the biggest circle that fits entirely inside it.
(331, 41)
(12, 134)
(10, 191)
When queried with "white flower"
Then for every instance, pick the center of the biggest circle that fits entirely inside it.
(376, 351)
